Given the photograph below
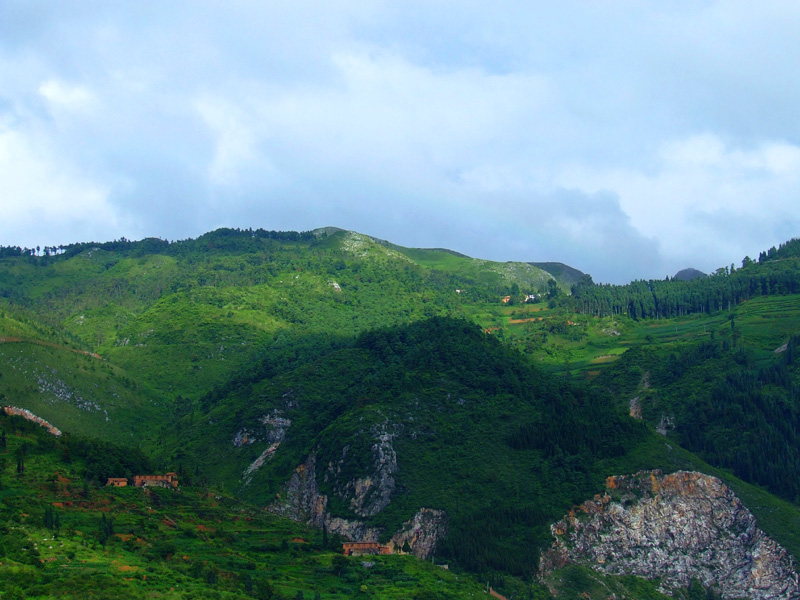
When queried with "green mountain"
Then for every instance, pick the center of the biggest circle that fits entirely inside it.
(564, 274)
(415, 397)
(689, 274)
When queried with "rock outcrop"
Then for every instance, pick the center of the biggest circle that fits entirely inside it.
(675, 528)
(26, 414)
(422, 532)
(273, 432)
(302, 501)
(370, 494)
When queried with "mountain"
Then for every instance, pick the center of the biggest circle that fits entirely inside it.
(688, 274)
(415, 397)
(564, 274)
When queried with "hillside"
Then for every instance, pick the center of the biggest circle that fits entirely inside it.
(566, 275)
(64, 536)
(415, 397)
(433, 415)
(185, 315)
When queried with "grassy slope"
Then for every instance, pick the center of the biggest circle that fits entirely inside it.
(177, 544)
(77, 392)
(183, 320)
(528, 276)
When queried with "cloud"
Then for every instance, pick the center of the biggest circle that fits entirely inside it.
(70, 97)
(629, 140)
(707, 201)
(51, 201)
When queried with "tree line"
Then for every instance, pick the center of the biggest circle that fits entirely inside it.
(776, 272)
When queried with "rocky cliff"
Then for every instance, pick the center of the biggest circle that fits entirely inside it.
(272, 431)
(370, 494)
(675, 528)
(366, 496)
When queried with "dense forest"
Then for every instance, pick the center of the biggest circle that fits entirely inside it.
(777, 272)
(720, 404)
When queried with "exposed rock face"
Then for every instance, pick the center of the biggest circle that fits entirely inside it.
(370, 494)
(422, 532)
(665, 425)
(675, 527)
(635, 408)
(301, 501)
(273, 432)
(26, 414)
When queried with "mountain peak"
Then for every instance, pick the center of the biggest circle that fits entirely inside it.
(689, 274)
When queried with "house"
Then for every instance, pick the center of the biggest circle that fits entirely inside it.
(170, 480)
(362, 548)
(117, 481)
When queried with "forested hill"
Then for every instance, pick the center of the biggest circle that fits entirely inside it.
(432, 414)
(776, 272)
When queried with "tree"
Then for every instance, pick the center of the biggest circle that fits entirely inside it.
(20, 455)
(339, 564)
(105, 529)
(552, 289)
(13, 592)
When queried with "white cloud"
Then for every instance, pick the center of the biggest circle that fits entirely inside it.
(70, 97)
(45, 200)
(706, 201)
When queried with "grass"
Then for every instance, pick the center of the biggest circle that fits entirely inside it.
(77, 392)
(191, 542)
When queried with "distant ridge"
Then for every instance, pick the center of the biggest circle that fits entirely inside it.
(689, 274)
(563, 273)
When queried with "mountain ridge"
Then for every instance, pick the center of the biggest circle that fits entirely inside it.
(240, 355)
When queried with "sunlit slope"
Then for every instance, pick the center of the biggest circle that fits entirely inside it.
(79, 392)
(65, 534)
(182, 317)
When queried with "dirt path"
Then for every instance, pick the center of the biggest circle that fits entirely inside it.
(531, 320)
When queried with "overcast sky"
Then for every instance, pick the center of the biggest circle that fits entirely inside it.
(626, 139)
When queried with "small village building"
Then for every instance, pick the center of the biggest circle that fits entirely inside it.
(170, 480)
(117, 481)
(365, 548)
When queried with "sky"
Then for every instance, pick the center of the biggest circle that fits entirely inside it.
(626, 139)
